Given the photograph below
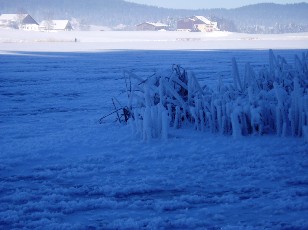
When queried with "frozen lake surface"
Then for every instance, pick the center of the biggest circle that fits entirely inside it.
(60, 168)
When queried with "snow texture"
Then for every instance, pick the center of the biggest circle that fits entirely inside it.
(61, 169)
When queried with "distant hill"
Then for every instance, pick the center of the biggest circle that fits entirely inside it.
(268, 18)
(259, 18)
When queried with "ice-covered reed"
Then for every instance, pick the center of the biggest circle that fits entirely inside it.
(272, 100)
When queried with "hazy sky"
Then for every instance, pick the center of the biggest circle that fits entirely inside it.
(197, 4)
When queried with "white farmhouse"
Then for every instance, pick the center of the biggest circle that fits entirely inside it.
(18, 21)
(197, 23)
(55, 25)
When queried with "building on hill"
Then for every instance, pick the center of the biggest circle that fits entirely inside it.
(55, 25)
(197, 24)
(151, 26)
(18, 21)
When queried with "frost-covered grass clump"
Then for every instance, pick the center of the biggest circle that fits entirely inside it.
(272, 100)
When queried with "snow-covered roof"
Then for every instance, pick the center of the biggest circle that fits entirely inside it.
(12, 17)
(157, 24)
(21, 19)
(59, 24)
(55, 24)
(203, 19)
(200, 18)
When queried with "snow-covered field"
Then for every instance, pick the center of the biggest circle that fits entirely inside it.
(61, 169)
(115, 40)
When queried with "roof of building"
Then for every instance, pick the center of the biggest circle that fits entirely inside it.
(23, 19)
(12, 17)
(199, 20)
(55, 24)
(156, 24)
(203, 19)
(60, 24)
